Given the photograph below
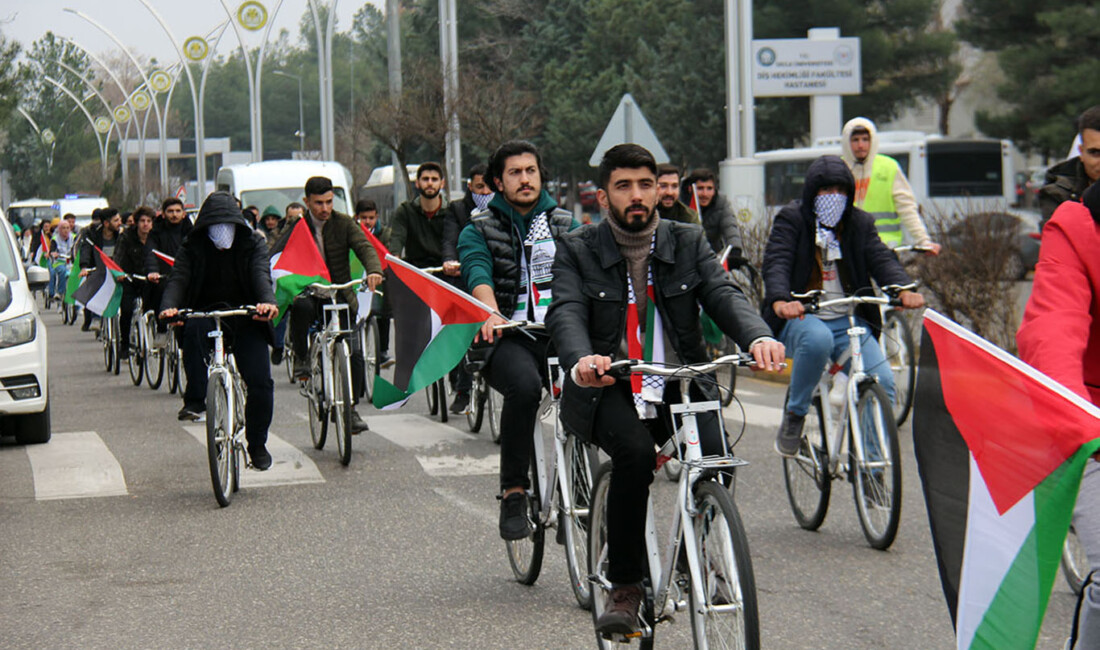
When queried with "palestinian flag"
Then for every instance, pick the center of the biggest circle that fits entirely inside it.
(164, 257)
(100, 293)
(42, 255)
(74, 276)
(379, 247)
(1001, 449)
(295, 266)
(434, 324)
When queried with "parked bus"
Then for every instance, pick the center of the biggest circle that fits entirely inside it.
(950, 176)
(31, 211)
(281, 182)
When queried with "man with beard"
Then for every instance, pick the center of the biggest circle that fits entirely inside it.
(506, 253)
(632, 250)
(416, 236)
(715, 212)
(105, 237)
(167, 235)
(669, 205)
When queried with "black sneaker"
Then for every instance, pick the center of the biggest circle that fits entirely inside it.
(462, 401)
(789, 438)
(261, 460)
(357, 424)
(190, 413)
(514, 523)
(276, 356)
(621, 615)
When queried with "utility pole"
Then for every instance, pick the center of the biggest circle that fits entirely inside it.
(448, 49)
(393, 55)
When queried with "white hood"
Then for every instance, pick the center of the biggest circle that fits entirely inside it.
(846, 139)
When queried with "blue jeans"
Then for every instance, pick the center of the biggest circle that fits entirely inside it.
(812, 342)
(59, 276)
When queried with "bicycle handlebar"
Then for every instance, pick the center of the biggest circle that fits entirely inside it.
(623, 368)
(813, 302)
(520, 324)
(329, 289)
(243, 310)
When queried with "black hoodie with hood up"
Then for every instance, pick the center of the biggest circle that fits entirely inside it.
(792, 259)
(248, 260)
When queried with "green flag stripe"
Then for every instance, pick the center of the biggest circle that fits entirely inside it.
(1016, 613)
(74, 278)
(438, 358)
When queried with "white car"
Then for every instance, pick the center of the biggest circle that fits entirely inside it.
(24, 388)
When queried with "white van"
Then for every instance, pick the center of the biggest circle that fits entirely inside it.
(30, 212)
(79, 206)
(281, 182)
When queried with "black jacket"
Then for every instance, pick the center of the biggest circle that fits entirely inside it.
(166, 238)
(791, 258)
(89, 259)
(250, 257)
(130, 252)
(1066, 181)
(454, 220)
(588, 313)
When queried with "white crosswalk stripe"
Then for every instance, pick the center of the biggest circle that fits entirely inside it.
(74, 466)
(435, 444)
(289, 465)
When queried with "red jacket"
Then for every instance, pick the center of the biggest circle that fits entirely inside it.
(1060, 334)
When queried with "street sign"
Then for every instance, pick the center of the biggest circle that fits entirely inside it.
(628, 125)
(792, 67)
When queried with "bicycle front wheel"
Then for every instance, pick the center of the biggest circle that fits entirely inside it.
(475, 415)
(433, 399)
(876, 477)
(525, 555)
(726, 617)
(136, 360)
(108, 347)
(219, 437)
(370, 356)
(441, 398)
(580, 461)
(341, 406)
(495, 403)
(807, 474)
(315, 396)
(901, 354)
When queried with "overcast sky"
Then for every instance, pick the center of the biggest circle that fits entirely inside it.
(28, 20)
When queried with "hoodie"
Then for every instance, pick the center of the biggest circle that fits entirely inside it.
(792, 259)
(200, 267)
(904, 201)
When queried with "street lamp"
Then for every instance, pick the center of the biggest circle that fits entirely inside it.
(301, 124)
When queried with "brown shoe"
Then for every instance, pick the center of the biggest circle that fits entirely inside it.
(621, 616)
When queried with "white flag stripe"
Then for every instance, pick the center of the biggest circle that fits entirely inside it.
(102, 297)
(289, 466)
(74, 466)
(992, 543)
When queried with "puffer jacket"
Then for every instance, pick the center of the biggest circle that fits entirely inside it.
(792, 262)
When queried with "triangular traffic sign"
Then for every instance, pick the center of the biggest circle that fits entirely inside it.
(628, 125)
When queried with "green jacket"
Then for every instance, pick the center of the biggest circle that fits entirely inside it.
(679, 212)
(414, 237)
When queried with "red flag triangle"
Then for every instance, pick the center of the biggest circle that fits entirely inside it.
(300, 255)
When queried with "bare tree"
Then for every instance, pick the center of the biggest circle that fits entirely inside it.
(493, 111)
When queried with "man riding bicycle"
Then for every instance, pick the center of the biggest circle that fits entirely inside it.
(599, 273)
(506, 253)
(336, 236)
(825, 242)
(223, 263)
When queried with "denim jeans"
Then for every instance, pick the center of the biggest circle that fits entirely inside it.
(812, 342)
(59, 277)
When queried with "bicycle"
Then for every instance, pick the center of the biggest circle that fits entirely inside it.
(368, 348)
(436, 392)
(900, 349)
(706, 556)
(483, 399)
(225, 402)
(108, 334)
(288, 354)
(152, 350)
(560, 493)
(747, 278)
(138, 343)
(834, 445)
(173, 362)
(329, 387)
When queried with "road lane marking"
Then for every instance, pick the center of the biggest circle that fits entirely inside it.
(289, 466)
(422, 435)
(74, 466)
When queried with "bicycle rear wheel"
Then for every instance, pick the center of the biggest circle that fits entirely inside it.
(341, 407)
(315, 396)
(172, 361)
(117, 360)
(441, 398)
(433, 399)
(525, 555)
(475, 415)
(807, 474)
(901, 353)
(727, 616)
(598, 561)
(219, 437)
(154, 367)
(580, 461)
(136, 360)
(876, 477)
(1075, 563)
(495, 403)
(105, 338)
